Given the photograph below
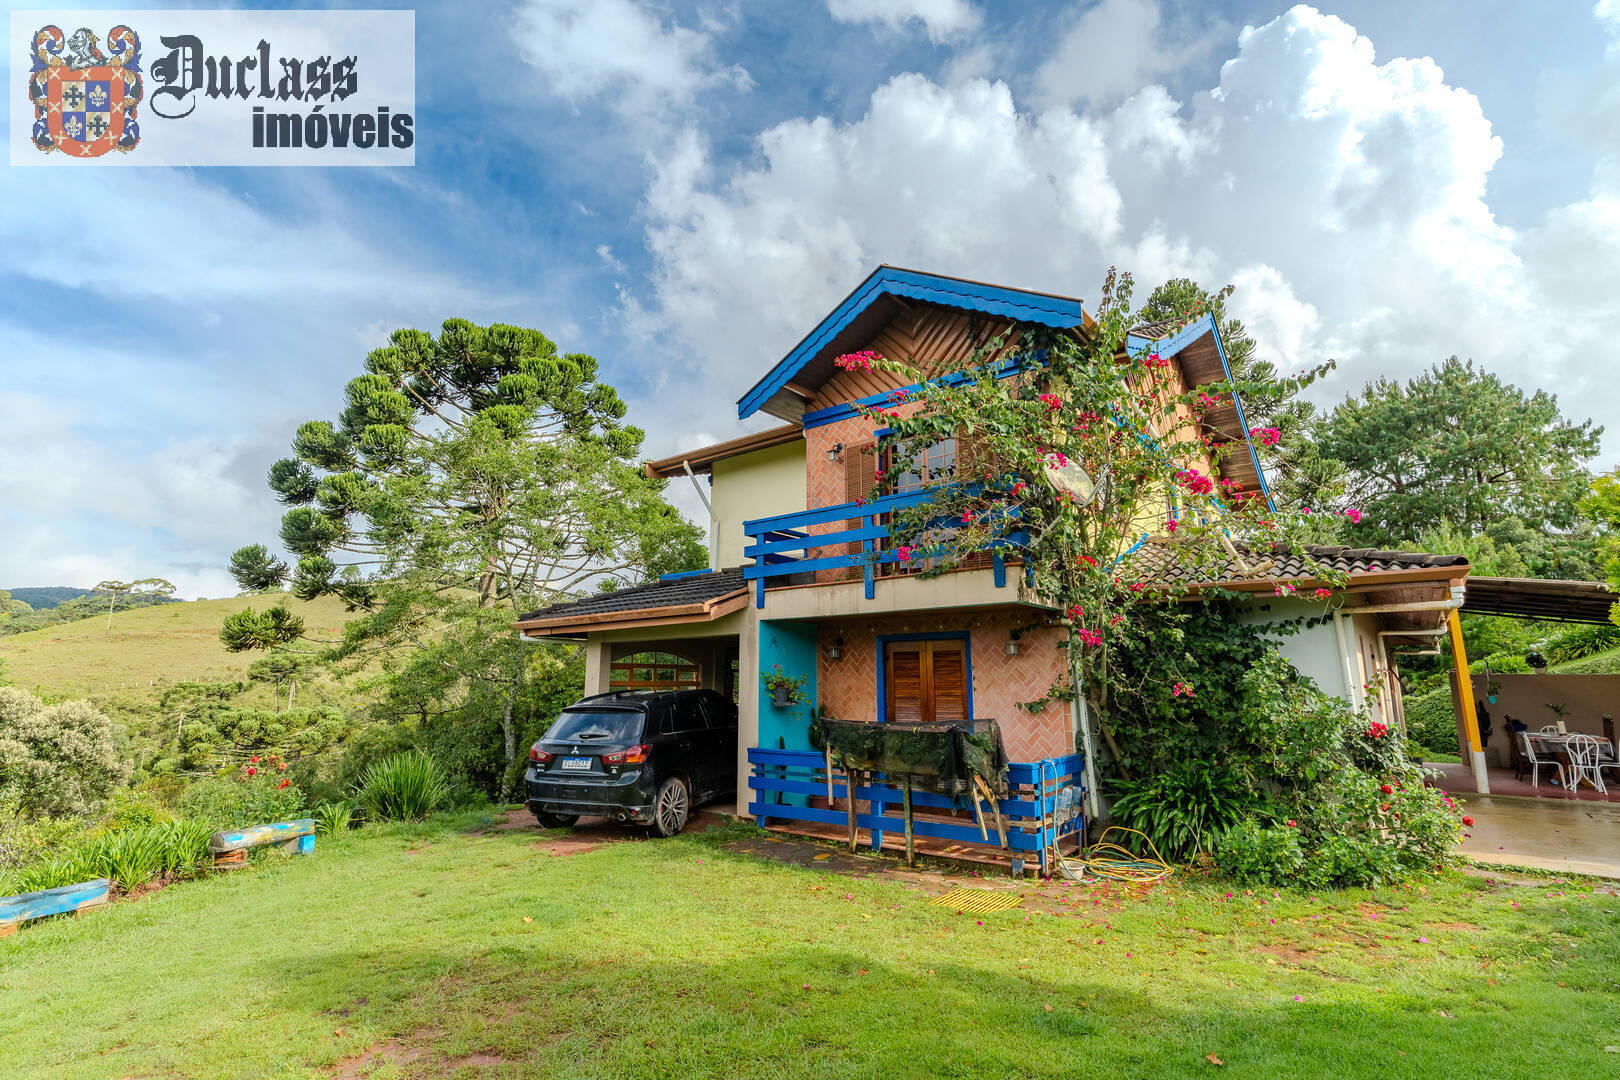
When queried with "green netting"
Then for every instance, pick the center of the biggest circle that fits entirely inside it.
(940, 755)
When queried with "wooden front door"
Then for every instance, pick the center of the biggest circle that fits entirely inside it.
(926, 681)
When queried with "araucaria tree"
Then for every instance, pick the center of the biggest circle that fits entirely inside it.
(469, 473)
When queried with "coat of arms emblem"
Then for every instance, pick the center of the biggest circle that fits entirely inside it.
(85, 101)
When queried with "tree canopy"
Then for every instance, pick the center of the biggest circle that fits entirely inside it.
(1458, 446)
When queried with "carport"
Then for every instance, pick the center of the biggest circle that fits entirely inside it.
(1519, 598)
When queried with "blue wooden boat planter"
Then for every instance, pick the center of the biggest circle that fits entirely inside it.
(85, 896)
(230, 848)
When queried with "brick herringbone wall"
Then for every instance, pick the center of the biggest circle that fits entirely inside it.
(848, 686)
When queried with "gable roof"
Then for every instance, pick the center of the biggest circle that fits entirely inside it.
(832, 333)
(702, 459)
(1203, 360)
(696, 597)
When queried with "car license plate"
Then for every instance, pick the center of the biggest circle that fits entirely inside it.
(576, 763)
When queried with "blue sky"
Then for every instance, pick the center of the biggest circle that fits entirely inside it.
(682, 189)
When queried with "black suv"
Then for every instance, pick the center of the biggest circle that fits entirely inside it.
(646, 757)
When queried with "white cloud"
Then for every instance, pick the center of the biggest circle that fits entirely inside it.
(618, 48)
(1345, 197)
(942, 19)
(1111, 50)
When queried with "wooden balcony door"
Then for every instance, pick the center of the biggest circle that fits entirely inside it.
(926, 680)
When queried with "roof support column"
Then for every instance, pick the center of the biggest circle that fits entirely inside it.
(1465, 703)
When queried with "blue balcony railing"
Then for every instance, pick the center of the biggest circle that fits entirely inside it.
(782, 547)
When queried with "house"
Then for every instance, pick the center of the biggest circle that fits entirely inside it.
(800, 579)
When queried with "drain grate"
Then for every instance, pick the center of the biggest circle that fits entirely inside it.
(977, 901)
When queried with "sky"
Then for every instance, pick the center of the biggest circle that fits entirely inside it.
(683, 189)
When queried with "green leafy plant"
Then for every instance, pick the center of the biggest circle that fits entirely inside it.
(1255, 853)
(184, 844)
(405, 787)
(793, 685)
(131, 858)
(1183, 809)
(334, 817)
(257, 793)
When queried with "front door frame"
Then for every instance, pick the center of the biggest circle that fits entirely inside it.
(939, 635)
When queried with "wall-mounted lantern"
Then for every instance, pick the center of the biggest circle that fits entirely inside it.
(835, 452)
(836, 649)
(1012, 645)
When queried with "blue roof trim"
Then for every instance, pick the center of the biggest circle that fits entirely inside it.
(1169, 346)
(683, 574)
(1014, 304)
(1002, 369)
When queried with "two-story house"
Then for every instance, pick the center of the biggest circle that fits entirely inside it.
(800, 579)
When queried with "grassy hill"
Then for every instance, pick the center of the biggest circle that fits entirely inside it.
(147, 649)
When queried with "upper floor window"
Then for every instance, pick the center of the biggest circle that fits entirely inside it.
(934, 465)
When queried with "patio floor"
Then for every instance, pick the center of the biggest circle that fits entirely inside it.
(1563, 835)
(1455, 778)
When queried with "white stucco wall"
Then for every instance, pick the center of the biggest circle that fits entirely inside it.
(1314, 650)
(761, 484)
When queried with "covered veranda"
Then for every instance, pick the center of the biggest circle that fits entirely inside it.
(1530, 748)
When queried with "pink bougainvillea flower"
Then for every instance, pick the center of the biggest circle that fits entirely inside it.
(904, 552)
(1354, 516)
(1087, 559)
(1170, 526)
(857, 361)
(1088, 637)
(1052, 402)
(1323, 594)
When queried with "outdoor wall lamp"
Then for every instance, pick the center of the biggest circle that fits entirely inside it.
(1012, 643)
(835, 452)
(836, 649)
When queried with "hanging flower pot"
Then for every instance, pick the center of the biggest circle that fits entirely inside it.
(785, 689)
(782, 695)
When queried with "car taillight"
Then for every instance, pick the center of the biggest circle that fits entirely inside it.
(538, 756)
(633, 756)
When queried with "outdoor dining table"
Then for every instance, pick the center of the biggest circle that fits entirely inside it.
(1557, 742)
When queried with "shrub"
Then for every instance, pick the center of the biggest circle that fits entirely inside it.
(1578, 642)
(405, 787)
(333, 817)
(1182, 810)
(131, 858)
(184, 844)
(56, 759)
(1431, 721)
(255, 794)
(132, 809)
(1258, 854)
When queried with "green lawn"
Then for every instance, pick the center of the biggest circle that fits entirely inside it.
(437, 952)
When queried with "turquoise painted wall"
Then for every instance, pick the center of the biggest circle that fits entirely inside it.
(794, 647)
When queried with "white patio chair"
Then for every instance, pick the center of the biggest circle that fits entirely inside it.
(1583, 762)
(1527, 744)
(1548, 729)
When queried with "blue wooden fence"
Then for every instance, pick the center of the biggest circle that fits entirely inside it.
(796, 775)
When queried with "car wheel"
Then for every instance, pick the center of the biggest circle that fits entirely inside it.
(555, 821)
(674, 802)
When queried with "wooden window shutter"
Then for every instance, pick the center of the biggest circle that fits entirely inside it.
(906, 692)
(950, 682)
(860, 477)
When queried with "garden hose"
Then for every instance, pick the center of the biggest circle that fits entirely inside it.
(1104, 860)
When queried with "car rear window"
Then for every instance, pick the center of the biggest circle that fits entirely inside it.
(596, 725)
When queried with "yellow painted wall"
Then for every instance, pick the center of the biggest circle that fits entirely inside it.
(761, 484)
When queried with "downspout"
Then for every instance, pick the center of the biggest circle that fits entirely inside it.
(714, 522)
(1087, 751)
